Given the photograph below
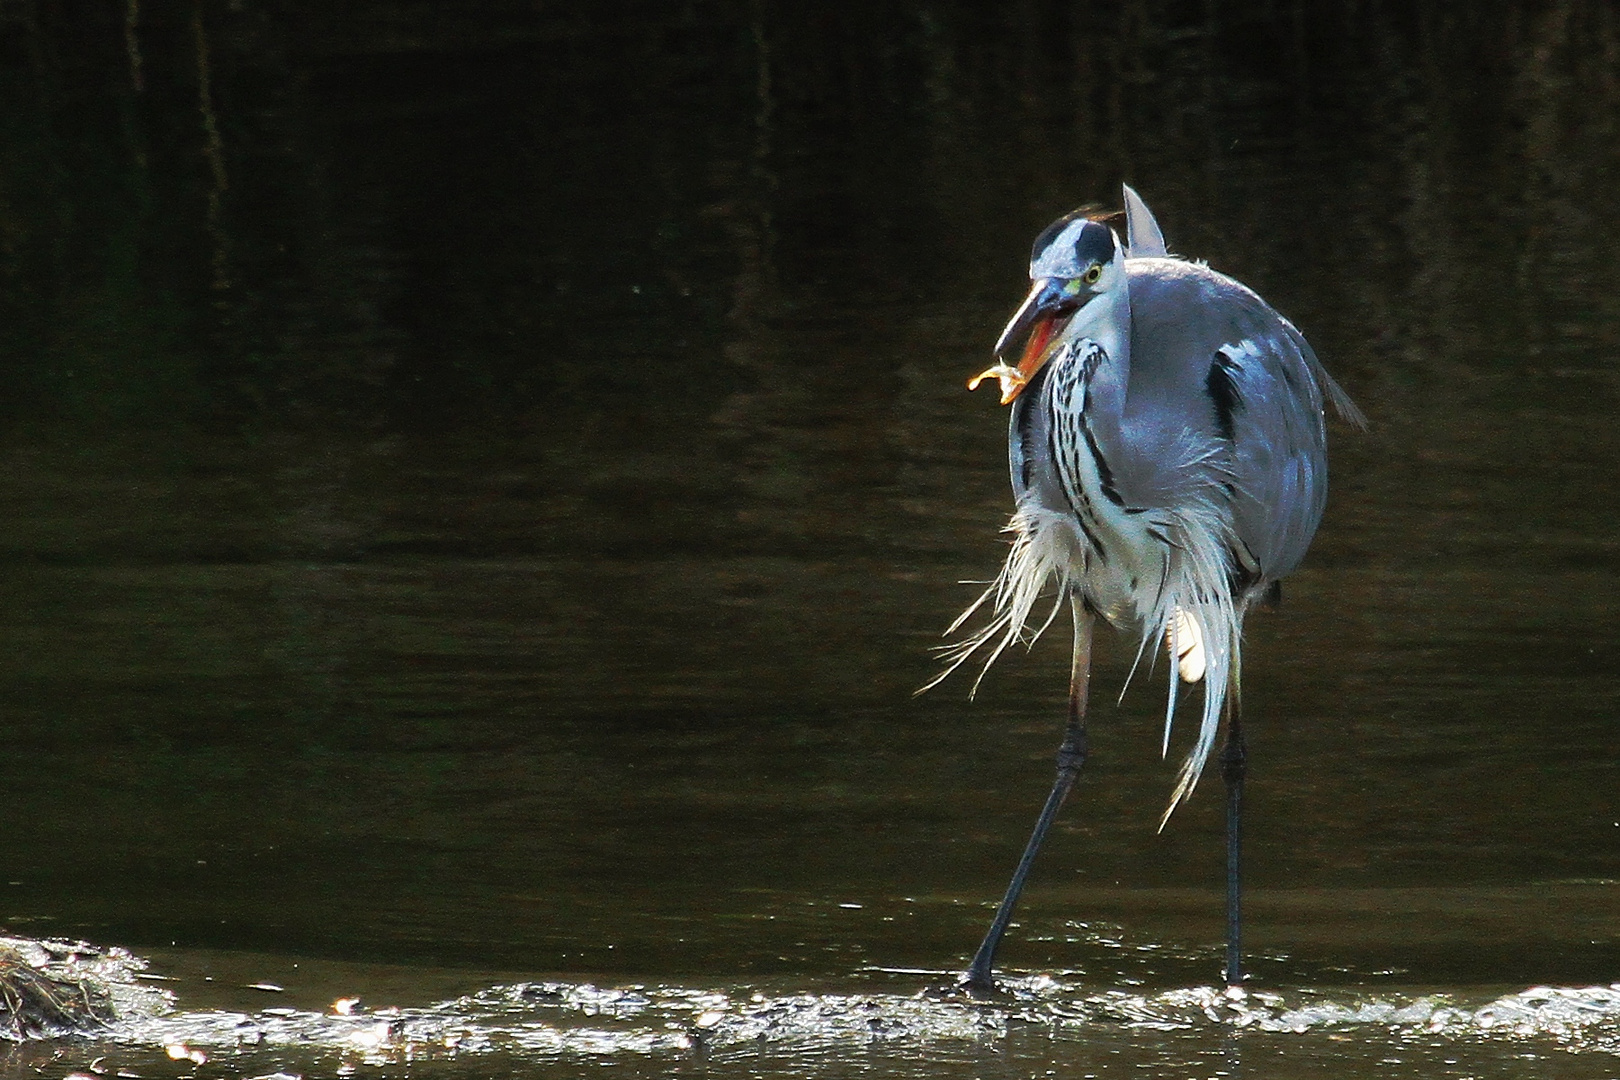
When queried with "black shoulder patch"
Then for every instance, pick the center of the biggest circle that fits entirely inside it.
(1221, 385)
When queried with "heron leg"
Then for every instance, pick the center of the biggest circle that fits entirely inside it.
(1070, 756)
(1233, 761)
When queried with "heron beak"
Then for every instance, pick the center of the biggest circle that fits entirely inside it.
(1044, 312)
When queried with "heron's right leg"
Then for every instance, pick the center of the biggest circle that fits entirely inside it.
(1234, 762)
(1071, 755)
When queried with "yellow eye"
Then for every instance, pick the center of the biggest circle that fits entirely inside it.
(1093, 272)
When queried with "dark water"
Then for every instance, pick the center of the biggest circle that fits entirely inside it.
(482, 485)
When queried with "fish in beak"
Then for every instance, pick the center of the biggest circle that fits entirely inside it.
(1044, 312)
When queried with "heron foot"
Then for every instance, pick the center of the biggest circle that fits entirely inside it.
(969, 987)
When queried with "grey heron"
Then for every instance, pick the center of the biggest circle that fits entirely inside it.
(1168, 451)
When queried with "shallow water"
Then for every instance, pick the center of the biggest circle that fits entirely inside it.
(193, 1013)
(482, 551)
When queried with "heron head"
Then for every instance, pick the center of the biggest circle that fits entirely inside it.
(1075, 260)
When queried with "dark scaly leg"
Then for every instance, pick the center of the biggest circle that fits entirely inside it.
(1071, 755)
(1233, 761)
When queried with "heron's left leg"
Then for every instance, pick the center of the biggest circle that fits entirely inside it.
(1233, 761)
(1071, 755)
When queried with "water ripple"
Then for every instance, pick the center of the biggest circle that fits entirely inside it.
(567, 1020)
(558, 1020)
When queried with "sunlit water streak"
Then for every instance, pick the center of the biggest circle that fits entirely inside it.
(560, 1021)
(564, 1020)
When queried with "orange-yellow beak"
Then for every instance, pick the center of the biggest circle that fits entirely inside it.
(1044, 312)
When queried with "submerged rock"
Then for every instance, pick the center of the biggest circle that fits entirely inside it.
(51, 988)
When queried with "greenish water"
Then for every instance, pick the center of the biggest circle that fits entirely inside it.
(482, 551)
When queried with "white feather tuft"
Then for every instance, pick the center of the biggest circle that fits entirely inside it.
(1199, 590)
(1192, 607)
(1186, 645)
(1043, 550)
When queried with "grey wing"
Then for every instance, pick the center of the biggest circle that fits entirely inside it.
(1266, 384)
(1215, 366)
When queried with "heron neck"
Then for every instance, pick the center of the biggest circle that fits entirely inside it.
(1107, 321)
